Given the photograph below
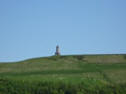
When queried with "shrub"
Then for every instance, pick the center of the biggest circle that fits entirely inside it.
(79, 57)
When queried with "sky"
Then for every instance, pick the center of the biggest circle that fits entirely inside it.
(33, 28)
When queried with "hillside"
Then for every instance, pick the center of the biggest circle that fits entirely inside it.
(76, 64)
(92, 69)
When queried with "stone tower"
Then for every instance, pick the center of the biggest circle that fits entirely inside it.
(57, 53)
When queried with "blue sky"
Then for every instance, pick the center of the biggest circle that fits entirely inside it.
(32, 28)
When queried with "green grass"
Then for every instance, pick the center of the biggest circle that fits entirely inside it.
(82, 73)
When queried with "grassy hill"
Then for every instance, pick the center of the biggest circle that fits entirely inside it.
(101, 71)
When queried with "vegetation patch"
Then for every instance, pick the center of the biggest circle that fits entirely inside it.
(59, 87)
(81, 74)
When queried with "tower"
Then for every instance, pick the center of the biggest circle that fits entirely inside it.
(57, 53)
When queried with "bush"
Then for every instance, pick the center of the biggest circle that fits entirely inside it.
(79, 57)
(124, 56)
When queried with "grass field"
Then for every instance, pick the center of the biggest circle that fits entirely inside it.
(73, 74)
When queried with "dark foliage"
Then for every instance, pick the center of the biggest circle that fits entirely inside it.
(125, 56)
(79, 57)
(22, 87)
